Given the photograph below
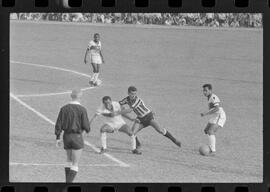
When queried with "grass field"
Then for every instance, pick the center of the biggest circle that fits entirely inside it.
(168, 66)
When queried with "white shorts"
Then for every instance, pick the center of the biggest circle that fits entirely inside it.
(95, 58)
(116, 125)
(218, 119)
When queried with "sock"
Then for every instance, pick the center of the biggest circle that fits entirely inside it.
(138, 143)
(104, 140)
(67, 169)
(212, 142)
(133, 142)
(93, 77)
(72, 173)
(97, 74)
(169, 135)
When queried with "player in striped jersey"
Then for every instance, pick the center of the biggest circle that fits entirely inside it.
(145, 116)
(217, 116)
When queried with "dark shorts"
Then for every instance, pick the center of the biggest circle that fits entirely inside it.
(146, 120)
(73, 141)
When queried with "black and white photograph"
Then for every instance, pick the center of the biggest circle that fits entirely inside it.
(136, 98)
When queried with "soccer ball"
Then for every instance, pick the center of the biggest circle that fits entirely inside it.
(99, 82)
(204, 150)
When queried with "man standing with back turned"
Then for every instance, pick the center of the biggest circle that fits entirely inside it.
(73, 120)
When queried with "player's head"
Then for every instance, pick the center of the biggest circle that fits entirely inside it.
(132, 92)
(96, 37)
(76, 94)
(207, 89)
(107, 101)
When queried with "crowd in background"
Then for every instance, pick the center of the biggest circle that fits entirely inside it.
(177, 19)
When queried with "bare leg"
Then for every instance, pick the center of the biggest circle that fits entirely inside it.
(68, 163)
(164, 132)
(76, 155)
(103, 136)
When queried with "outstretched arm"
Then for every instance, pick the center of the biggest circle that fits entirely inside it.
(92, 119)
(211, 111)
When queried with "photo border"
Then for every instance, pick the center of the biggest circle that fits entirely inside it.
(188, 6)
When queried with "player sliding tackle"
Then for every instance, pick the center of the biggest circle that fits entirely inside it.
(114, 122)
(145, 117)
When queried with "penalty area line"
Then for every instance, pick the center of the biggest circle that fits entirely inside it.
(121, 164)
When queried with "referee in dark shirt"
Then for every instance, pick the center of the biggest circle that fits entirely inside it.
(73, 120)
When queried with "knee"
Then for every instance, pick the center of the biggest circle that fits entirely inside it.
(102, 130)
(211, 132)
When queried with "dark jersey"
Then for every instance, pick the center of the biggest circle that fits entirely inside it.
(72, 118)
(137, 105)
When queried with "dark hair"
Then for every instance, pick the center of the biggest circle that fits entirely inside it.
(209, 86)
(96, 34)
(105, 98)
(132, 88)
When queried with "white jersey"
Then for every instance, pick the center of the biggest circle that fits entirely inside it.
(218, 117)
(115, 122)
(95, 48)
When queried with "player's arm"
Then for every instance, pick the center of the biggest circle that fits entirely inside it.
(128, 117)
(86, 54)
(85, 122)
(58, 125)
(102, 58)
(92, 119)
(211, 111)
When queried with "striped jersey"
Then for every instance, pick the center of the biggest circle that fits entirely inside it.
(137, 105)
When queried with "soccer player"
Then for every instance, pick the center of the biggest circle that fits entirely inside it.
(114, 122)
(93, 52)
(217, 117)
(145, 117)
(73, 120)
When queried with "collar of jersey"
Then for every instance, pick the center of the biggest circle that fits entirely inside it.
(74, 102)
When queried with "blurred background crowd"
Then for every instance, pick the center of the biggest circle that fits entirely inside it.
(178, 19)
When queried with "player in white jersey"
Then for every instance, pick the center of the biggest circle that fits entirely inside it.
(217, 116)
(113, 122)
(94, 54)
(145, 116)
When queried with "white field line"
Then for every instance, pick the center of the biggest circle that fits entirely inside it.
(121, 164)
(55, 68)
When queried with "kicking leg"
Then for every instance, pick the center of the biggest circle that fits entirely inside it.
(165, 133)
